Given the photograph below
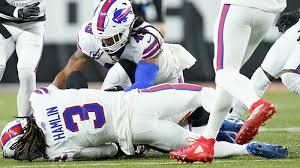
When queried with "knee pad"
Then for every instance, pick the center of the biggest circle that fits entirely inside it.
(76, 80)
(291, 81)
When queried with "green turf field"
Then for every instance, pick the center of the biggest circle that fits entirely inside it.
(284, 129)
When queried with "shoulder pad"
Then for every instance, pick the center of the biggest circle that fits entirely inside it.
(85, 39)
(148, 41)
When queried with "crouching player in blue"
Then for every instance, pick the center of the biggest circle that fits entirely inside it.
(70, 124)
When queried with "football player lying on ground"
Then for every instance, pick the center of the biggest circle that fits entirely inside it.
(282, 61)
(86, 123)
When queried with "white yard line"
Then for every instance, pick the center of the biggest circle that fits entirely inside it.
(291, 129)
(136, 164)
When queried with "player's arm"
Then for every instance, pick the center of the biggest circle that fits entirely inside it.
(22, 13)
(6, 8)
(121, 74)
(147, 69)
(145, 74)
(76, 62)
(287, 20)
(103, 151)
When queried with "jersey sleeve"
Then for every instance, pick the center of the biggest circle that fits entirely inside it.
(151, 46)
(147, 45)
(85, 40)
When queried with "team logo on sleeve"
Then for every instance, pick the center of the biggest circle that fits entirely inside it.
(120, 16)
(96, 54)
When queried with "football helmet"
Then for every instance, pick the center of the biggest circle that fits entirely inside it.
(112, 23)
(10, 135)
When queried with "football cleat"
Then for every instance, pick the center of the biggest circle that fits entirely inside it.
(267, 150)
(201, 150)
(260, 112)
(232, 124)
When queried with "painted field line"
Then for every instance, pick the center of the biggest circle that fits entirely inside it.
(291, 129)
(137, 164)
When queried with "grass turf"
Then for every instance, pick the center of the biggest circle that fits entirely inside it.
(288, 105)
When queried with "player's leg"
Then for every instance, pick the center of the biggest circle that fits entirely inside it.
(261, 79)
(29, 49)
(231, 41)
(232, 35)
(291, 72)
(271, 66)
(161, 134)
(7, 47)
(228, 53)
(230, 78)
(275, 60)
(260, 110)
(292, 81)
(182, 98)
(121, 74)
(270, 151)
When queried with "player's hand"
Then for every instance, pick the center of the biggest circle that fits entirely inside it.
(114, 89)
(286, 21)
(29, 11)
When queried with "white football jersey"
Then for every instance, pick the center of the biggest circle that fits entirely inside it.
(266, 5)
(142, 45)
(22, 3)
(94, 118)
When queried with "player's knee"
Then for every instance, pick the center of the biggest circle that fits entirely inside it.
(223, 75)
(76, 80)
(291, 81)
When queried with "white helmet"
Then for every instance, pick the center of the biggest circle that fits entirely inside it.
(10, 135)
(111, 24)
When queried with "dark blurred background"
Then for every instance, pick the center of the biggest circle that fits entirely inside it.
(188, 22)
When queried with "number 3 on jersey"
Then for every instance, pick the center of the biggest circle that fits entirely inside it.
(83, 112)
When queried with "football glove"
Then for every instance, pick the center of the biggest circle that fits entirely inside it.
(29, 11)
(114, 89)
(286, 21)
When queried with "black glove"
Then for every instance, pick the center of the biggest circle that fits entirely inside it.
(29, 11)
(298, 37)
(286, 21)
(114, 89)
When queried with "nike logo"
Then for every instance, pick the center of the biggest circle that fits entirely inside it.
(149, 40)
